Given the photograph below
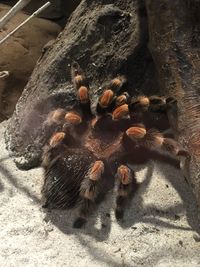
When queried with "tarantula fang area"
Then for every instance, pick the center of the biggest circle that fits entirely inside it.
(91, 149)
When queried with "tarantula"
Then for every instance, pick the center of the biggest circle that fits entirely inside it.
(89, 150)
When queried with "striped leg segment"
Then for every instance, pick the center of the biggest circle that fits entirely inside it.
(126, 187)
(81, 85)
(73, 118)
(89, 190)
(50, 149)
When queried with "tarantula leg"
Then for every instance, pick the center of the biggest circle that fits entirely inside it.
(107, 100)
(84, 101)
(161, 104)
(51, 148)
(126, 187)
(78, 76)
(137, 107)
(139, 104)
(81, 84)
(157, 104)
(89, 191)
(154, 139)
(55, 117)
(122, 99)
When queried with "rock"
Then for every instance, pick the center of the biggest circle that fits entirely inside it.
(176, 51)
(19, 55)
(105, 39)
(196, 237)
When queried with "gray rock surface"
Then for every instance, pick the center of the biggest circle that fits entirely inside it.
(158, 230)
(106, 38)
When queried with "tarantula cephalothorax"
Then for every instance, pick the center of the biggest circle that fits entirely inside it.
(83, 158)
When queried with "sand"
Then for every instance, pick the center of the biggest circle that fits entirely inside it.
(159, 229)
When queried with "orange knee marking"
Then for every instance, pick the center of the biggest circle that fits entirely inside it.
(56, 138)
(73, 118)
(120, 112)
(83, 94)
(106, 98)
(124, 174)
(96, 170)
(136, 132)
(57, 115)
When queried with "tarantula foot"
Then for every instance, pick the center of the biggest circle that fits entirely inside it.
(79, 223)
(117, 83)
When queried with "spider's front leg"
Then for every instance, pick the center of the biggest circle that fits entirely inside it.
(89, 191)
(81, 85)
(126, 188)
(109, 100)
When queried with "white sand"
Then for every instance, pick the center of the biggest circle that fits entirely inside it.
(157, 230)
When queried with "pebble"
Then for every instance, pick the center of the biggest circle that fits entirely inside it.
(196, 237)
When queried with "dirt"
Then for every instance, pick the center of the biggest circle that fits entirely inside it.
(159, 229)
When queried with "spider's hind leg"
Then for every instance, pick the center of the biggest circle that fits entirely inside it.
(126, 188)
(89, 191)
(153, 139)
